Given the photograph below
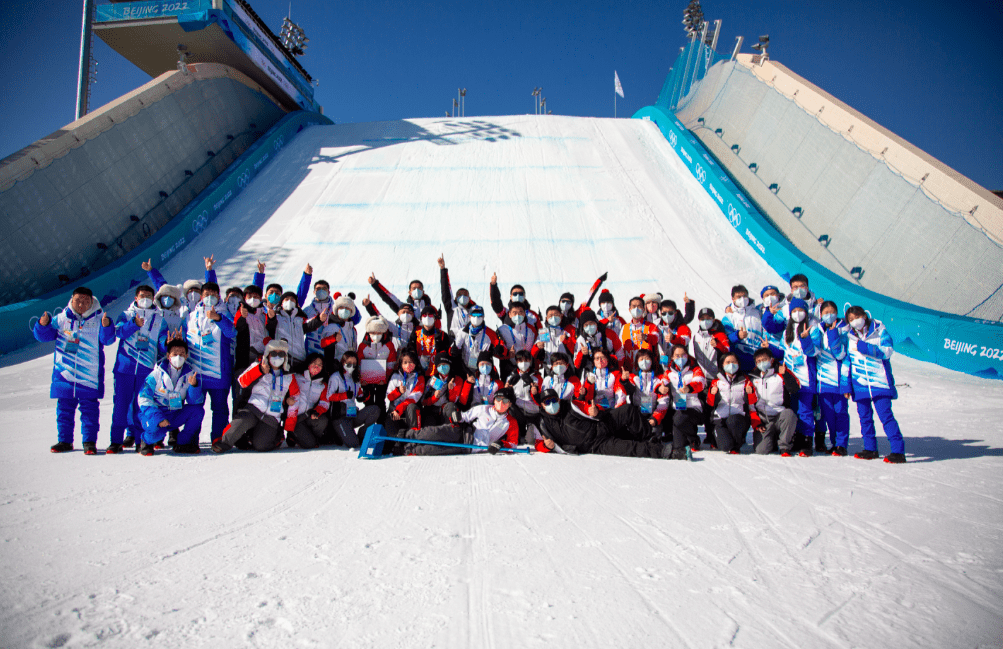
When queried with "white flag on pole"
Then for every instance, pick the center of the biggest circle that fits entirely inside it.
(616, 84)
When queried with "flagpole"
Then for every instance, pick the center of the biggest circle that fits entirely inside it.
(614, 105)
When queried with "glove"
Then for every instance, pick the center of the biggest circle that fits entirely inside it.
(455, 417)
(527, 379)
(494, 448)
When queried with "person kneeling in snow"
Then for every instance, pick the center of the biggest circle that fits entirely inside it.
(271, 384)
(172, 397)
(568, 429)
(489, 425)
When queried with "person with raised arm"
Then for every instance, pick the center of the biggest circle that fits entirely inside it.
(80, 331)
(457, 306)
(802, 342)
(517, 295)
(416, 296)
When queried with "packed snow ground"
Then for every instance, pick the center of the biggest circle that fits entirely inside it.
(320, 549)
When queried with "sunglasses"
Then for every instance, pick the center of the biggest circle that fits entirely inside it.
(518, 294)
(550, 402)
(503, 400)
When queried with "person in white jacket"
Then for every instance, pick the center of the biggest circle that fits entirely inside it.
(490, 425)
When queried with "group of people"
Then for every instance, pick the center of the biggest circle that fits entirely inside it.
(283, 367)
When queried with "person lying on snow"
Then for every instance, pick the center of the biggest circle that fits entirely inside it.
(489, 425)
(565, 428)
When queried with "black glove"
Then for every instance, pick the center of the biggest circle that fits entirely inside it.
(455, 417)
(494, 448)
(311, 412)
(498, 349)
(527, 379)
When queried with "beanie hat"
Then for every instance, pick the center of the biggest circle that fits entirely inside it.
(485, 357)
(169, 290)
(289, 294)
(588, 315)
(767, 288)
(376, 325)
(505, 393)
(605, 296)
(798, 303)
(430, 310)
(655, 297)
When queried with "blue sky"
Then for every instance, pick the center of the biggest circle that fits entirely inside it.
(929, 71)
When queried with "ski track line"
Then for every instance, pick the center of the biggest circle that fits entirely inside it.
(958, 588)
(623, 573)
(725, 573)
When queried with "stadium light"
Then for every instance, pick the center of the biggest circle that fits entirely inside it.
(463, 102)
(292, 37)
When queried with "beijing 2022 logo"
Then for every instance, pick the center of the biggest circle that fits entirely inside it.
(672, 139)
(198, 225)
(700, 174)
(734, 216)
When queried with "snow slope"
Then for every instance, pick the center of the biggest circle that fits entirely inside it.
(320, 549)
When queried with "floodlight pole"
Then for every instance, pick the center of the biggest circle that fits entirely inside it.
(83, 78)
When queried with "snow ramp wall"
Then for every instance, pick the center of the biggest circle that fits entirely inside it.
(960, 343)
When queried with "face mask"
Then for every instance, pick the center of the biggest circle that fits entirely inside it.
(443, 369)
(798, 316)
(518, 319)
(858, 323)
(731, 368)
(349, 368)
(289, 305)
(799, 292)
(167, 301)
(637, 312)
(606, 308)
(706, 324)
(233, 303)
(276, 361)
(484, 369)
(524, 366)
(376, 337)
(428, 321)
(322, 295)
(463, 300)
(406, 318)
(314, 370)
(591, 329)
(770, 300)
(144, 303)
(668, 315)
(273, 298)
(477, 320)
(554, 321)
(177, 362)
(741, 302)
(193, 296)
(681, 361)
(829, 318)
(518, 297)
(644, 364)
(210, 300)
(253, 302)
(565, 306)
(552, 407)
(559, 370)
(344, 314)
(417, 293)
(764, 365)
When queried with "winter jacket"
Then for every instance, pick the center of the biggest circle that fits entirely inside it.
(139, 348)
(775, 391)
(401, 331)
(484, 387)
(167, 389)
(607, 391)
(870, 367)
(680, 335)
(292, 326)
(532, 317)
(751, 319)
(586, 345)
(461, 393)
(516, 338)
(800, 353)
(522, 383)
(551, 343)
(402, 390)
(690, 376)
(78, 362)
(832, 365)
(490, 426)
(380, 351)
(391, 300)
(645, 394)
(457, 316)
(469, 344)
(571, 429)
(209, 348)
(428, 345)
(252, 334)
(269, 391)
(567, 388)
(707, 347)
(315, 308)
(733, 396)
(613, 321)
(343, 388)
(312, 395)
(635, 337)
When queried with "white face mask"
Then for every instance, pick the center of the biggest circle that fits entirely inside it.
(565, 306)
(406, 318)
(276, 361)
(741, 302)
(554, 321)
(477, 320)
(417, 293)
(706, 324)
(210, 300)
(194, 296)
(177, 362)
(518, 319)
(376, 337)
(289, 305)
(644, 364)
(591, 329)
(463, 300)
(344, 314)
(798, 316)
(559, 370)
(637, 312)
(524, 366)
(858, 323)
(144, 303)
(770, 300)
(253, 302)
(428, 321)
(606, 308)
(552, 408)
(764, 365)
(799, 292)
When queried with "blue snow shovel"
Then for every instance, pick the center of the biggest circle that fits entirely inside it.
(372, 444)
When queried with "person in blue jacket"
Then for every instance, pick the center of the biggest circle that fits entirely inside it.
(774, 320)
(802, 340)
(870, 348)
(833, 378)
(172, 398)
(142, 332)
(81, 331)
(209, 334)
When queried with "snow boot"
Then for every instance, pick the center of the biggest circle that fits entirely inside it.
(128, 442)
(219, 446)
(679, 454)
(187, 449)
(839, 451)
(734, 452)
(895, 458)
(667, 451)
(786, 454)
(61, 447)
(866, 455)
(172, 438)
(146, 449)
(114, 449)
(90, 448)
(807, 450)
(820, 446)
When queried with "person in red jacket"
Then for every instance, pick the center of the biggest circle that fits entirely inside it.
(427, 340)
(638, 334)
(404, 394)
(552, 338)
(447, 390)
(377, 358)
(708, 342)
(516, 296)
(608, 314)
(685, 381)
(731, 398)
(516, 337)
(593, 336)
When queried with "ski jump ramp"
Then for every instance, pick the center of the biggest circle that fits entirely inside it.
(547, 202)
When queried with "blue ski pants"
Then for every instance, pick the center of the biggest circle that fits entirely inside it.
(188, 419)
(125, 412)
(883, 406)
(836, 416)
(66, 410)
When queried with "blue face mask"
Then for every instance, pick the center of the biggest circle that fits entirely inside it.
(764, 365)
(417, 293)
(322, 294)
(167, 301)
(680, 362)
(484, 369)
(273, 298)
(443, 369)
(829, 318)
(518, 319)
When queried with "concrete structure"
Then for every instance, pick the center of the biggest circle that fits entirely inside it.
(82, 197)
(854, 197)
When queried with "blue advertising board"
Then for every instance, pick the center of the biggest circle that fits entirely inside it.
(964, 344)
(149, 9)
(121, 276)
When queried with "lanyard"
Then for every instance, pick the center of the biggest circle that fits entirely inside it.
(472, 339)
(651, 383)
